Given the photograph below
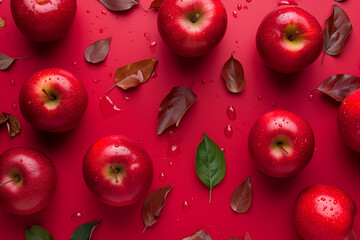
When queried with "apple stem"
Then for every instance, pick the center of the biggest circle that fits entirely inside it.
(352, 231)
(115, 171)
(196, 17)
(282, 147)
(11, 180)
(47, 94)
(293, 36)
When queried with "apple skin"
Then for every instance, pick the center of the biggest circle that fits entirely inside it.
(273, 39)
(43, 20)
(324, 212)
(53, 115)
(349, 120)
(37, 185)
(185, 37)
(134, 166)
(281, 143)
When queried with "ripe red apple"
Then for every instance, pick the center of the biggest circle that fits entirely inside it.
(53, 100)
(43, 20)
(118, 171)
(349, 120)
(324, 212)
(27, 180)
(281, 143)
(192, 28)
(289, 39)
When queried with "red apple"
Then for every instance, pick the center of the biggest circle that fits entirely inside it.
(27, 180)
(324, 212)
(281, 143)
(43, 20)
(289, 39)
(192, 28)
(53, 100)
(349, 120)
(118, 171)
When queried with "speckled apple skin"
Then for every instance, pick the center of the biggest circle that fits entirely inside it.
(73, 100)
(45, 20)
(349, 120)
(324, 212)
(38, 180)
(273, 49)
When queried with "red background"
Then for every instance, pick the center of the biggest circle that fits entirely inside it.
(270, 216)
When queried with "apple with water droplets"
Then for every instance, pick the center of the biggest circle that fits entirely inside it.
(27, 180)
(43, 20)
(192, 28)
(324, 212)
(53, 100)
(118, 171)
(281, 143)
(289, 39)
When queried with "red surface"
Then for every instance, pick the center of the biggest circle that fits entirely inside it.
(270, 216)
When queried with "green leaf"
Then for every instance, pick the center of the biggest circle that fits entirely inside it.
(37, 233)
(83, 232)
(210, 163)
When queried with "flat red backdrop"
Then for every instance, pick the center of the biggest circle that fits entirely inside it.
(270, 216)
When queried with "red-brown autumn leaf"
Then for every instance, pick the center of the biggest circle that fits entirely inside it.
(98, 51)
(246, 237)
(338, 28)
(119, 5)
(3, 119)
(233, 75)
(2, 23)
(134, 74)
(174, 106)
(6, 61)
(339, 86)
(156, 4)
(241, 198)
(153, 205)
(13, 125)
(199, 235)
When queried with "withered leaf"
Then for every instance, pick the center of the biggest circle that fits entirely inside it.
(13, 124)
(246, 237)
(174, 106)
(339, 86)
(339, 0)
(2, 23)
(3, 119)
(119, 5)
(134, 74)
(233, 75)
(156, 4)
(6, 61)
(153, 205)
(199, 235)
(98, 51)
(338, 28)
(241, 198)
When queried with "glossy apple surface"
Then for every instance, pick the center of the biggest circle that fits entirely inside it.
(349, 120)
(43, 20)
(289, 39)
(281, 143)
(28, 180)
(118, 171)
(192, 28)
(324, 212)
(53, 100)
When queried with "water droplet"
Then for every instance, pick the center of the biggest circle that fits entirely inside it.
(76, 217)
(127, 98)
(21, 160)
(310, 98)
(96, 80)
(228, 131)
(162, 177)
(103, 12)
(116, 145)
(286, 2)
(322, 199)
(101, 30)
(231, 113)
(203, 81)
(147, 36)
(74, 64)
(248, 1)
(154, 74)
(185, 206)
(273, 104)
(153, 46)
(331, 209)
(325, 207)
(234, 14)
(305, 140)
(110, 75)
(173, 150)
(335, 202)
(141, 139)
(107, 107)
(280, 125)
(245, 7)
(259, 98)
(171, 164)
(174, 140)
(88, 11)
(223, 150)
(239, 6)
(14, 106)
(12, 83)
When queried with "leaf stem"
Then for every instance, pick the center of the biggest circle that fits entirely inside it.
(322, 59)
(210, 196)
(192, 83)
(142, 7)
(352, 231)
(110, 89)
(144, 229)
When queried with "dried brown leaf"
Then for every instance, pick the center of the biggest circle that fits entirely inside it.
(241, 198)
(156, 4)
(3, 119)
(246, 237)
(199, 235)
(98, 51)
(13, 125)
(119, 5)
(233, 75)
(2, 23)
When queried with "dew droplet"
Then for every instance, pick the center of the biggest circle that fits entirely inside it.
(234, 13)
(171, 164)
(245, 7)
(88, 11)
(259, 98)
(103, 12)
(173, 150)
(96, 80)
(153, 46)
(107, 107)
(325, 207)
(74, 64)
(185, 206)
(12, 83)
(286, 2)
(147, 36)
(331, 209)
(248, 1)
(76, 217)
(173, 140)
(154, 74)
(273, 104)
(322, 199)
(310, 98)
(203, 81)
(162, 177)
(228, 131)
(141, 139)
(305, 140)
(239, 6)
(101, 30)
(14, 106)
(335, 202)
(231, 113)
(21, 160)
